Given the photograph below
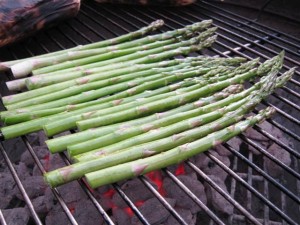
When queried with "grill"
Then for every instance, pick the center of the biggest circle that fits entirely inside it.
(267, 200)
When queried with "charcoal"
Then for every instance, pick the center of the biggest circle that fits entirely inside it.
(72, 192)
(7, 186)
(235, 143)
(22, 171)
(36, 171)
(272, 167)
(86, 213)
(33, 139)
(41, 152)
(55, 162)
(14, 148)
(16, 216)
(177, 169)
(222, 151)
(217, 200)
(135, 190)
(182, 199)
(275, 132)
(186, 215)
(57, 217)
(210, 167)
(154, 211)
(42, 138)
(258, 138)
(35, 186)
(122, 218)
(50, 200)
(40, 206)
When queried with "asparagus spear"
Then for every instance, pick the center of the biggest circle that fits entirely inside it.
(173, 138)
(70, 122)
(147, 59)
(77, 170)
(126, 37)
(85, 85)
(27, 66)
(184, 33)
(137, 135)
(164, 103)
(59, 144)
(140, 56)
(44, 80)
(94, 77)
(13, 117)
(196, 118)
(173, 156)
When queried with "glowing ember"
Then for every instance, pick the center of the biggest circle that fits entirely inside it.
(156, 177)
(47, 162)
(180, 170)
(109, 193)
(129, 211)
(139, 203)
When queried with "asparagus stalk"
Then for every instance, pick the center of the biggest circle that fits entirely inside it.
(70, 122)
(59, 144)
(13, 117)
(140, 56)
(185, 32)
(123, 38)
(138, 151)
(85, 85)
(125, 139)
(137, 135)
(173, 156)
(164, 103)
(94, 77)
(45, 80)
(70, 83)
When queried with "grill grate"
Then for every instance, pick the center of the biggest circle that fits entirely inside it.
(238, 36)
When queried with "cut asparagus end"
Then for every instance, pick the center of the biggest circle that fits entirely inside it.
(16, 85)
(22, 69)
(4, 66)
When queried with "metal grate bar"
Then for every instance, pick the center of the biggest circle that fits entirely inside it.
(145, 181)
(216, 219)
(278, 142)
(162, 200)
(285, 100)
(279, 110)
(2, 219)
(89, 193)
(274, 159)
(266, 194)
(223, 193)
(193, 197)
(266, 39)
(54, 190)
(276, 124)
(247, 24)
(244, 183)
(20, 186)
(265, 175)
(131, 205)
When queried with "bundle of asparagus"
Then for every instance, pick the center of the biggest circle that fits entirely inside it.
(136, 109)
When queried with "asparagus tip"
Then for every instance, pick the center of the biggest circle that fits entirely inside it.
(157, 23)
